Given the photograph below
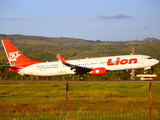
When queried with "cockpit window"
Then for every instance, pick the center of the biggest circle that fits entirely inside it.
(149, 57)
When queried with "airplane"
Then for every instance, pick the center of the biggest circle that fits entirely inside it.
(93, 66)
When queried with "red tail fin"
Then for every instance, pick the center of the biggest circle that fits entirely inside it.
(15, 57)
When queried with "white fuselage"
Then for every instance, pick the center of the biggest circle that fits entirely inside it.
(111, 63)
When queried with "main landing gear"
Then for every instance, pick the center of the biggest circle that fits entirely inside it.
(81, 77)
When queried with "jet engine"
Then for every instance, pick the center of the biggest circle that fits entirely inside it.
(98, 71)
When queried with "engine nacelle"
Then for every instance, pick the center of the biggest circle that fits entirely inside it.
(98, 71)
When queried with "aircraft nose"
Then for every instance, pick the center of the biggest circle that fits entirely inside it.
(156, 61)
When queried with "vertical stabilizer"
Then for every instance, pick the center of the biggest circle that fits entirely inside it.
(16, 58)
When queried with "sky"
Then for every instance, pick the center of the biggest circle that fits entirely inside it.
(105, 20)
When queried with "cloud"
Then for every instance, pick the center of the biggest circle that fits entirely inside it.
(145, 27)
(120, 16)
(11, 19)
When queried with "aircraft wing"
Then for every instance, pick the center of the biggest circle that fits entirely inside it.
(77, 69)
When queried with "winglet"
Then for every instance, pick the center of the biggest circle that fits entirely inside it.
(57, 58)
(61, 59)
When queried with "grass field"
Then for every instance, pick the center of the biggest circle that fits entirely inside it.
(86, 100)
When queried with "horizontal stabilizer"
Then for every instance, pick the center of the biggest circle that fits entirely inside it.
(8, 66)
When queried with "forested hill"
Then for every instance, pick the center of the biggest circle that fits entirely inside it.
(38, 40)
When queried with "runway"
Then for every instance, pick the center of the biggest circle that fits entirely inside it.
(45, 82)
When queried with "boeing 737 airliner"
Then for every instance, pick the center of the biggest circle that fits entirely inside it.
(94, 66)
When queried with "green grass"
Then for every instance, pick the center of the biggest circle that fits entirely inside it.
(85, 99)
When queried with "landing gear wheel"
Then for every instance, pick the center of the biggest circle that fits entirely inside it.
(81, 77)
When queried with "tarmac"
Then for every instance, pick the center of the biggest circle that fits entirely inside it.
(111, 81)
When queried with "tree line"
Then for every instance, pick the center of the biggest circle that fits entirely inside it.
(45, 53)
